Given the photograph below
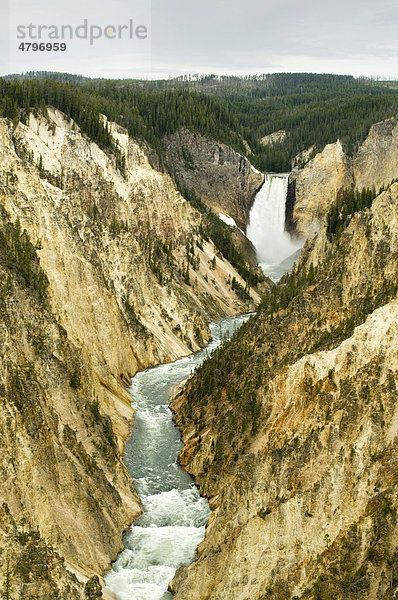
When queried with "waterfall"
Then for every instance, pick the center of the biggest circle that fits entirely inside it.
(266, 229)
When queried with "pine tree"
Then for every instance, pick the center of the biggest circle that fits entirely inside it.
(7, 583)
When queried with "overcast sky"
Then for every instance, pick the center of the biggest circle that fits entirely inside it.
(358, 37)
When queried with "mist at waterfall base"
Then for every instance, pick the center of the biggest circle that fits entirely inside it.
(173, 523)
(276, 249)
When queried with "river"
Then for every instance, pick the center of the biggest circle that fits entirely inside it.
(173, 524)
(175, 515)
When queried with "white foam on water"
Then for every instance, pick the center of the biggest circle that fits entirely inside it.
(173, 523)
(185, 507)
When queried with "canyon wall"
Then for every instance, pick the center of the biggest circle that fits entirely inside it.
(375, 164)
(292, 432)
(316, 186)
(65, 491)
(126, 281)
(222, 178)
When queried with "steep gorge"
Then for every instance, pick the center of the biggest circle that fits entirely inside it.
(128, 280)
(290, 429)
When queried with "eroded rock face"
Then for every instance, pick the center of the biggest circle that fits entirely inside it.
(277, 137)
(104, 239)
(30, 568)
(374, 165)
(293, 432)
(65, 491)
(316, 187)
(225, 180)
(115, 249)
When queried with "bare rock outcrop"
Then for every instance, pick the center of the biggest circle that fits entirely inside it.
(126, 281)
(222, 178)
(316, 186)
(375, 164)
(276, 137)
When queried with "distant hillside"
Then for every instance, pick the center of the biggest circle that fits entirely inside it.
(313, 109)
(55, 76)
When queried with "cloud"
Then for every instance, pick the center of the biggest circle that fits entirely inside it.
(235, 35)
(226, 36)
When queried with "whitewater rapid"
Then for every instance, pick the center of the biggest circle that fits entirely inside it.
(173, 524)
(276, 249)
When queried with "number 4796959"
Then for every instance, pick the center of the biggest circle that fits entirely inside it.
(42, 47)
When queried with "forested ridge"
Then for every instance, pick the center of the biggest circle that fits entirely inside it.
(313, 109)
(147, 116)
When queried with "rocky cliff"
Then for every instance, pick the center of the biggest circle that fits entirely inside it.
(225, 180)
(123, 277)
(65, 492)
(291, 430)
(316, 186)
(277, 137)
(375, 164)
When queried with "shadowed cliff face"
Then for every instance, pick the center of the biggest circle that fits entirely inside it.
(292, 429)
(224, 179)
(374, 165)
(126, 281)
